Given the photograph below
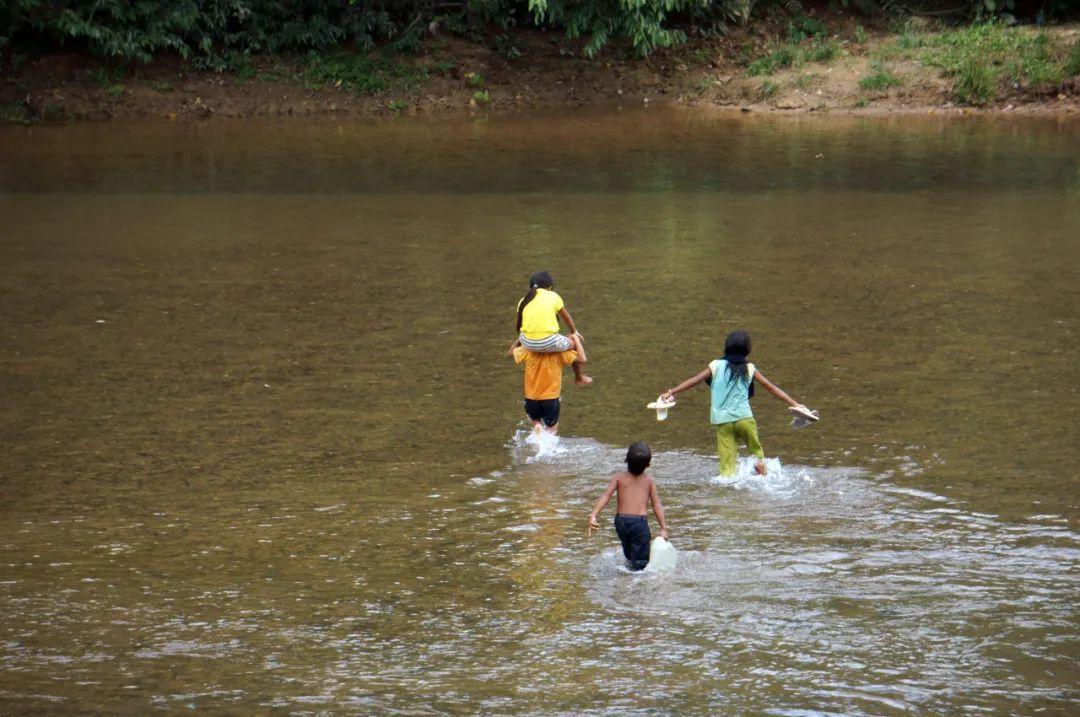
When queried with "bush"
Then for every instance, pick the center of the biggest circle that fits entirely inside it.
(219, 33)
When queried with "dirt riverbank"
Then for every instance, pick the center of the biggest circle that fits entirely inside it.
(852, 69)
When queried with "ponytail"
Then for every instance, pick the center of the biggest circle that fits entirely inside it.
(736, 349)
(539, 280)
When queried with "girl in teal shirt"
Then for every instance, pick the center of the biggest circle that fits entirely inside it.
(732, 379)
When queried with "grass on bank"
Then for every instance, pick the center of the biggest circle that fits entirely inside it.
(982, 60)
(879, 79)
(794, 54)
(362, 74)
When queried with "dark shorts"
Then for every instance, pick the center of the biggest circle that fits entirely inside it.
(634, 533)
(546, 410)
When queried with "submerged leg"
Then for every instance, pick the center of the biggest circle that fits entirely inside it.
(747, 431)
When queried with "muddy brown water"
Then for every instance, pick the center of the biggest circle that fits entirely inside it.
(259, 437)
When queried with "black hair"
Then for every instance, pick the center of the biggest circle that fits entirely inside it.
(539, 280)
(638, 457)
(736, 349)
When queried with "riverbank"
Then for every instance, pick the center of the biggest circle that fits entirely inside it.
(835, 66)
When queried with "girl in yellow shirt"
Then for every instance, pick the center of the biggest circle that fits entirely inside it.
(538, 315)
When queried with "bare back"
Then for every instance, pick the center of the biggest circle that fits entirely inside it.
(633, 493)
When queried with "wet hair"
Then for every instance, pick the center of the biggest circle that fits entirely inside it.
(638, 457)
(539, 280)
(737, 344)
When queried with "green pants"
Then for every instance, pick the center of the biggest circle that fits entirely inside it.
(744, 430)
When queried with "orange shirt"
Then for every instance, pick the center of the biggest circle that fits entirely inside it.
(543, 372)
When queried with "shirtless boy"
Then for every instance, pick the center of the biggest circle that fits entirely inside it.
(635, 490)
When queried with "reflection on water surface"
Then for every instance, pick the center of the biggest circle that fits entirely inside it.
(257, 416)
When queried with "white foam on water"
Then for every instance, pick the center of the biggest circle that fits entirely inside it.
(776, 480)
(531, 445)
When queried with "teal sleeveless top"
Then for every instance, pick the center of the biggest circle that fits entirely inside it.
(730, 396)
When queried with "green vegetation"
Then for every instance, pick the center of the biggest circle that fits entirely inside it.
(504, 43)
(781, 56)
(14, 113)
(222, 34)
(109, 78)
(982, 57)
(879, 79)
(397, 105)
(821, 51)
(1072, 63)
(803, 28)
(217, 34)
(767, 89)
(974, 83)
(442, 67)
(362, 74)
(985, 58)
(481, 97)
(794, 55)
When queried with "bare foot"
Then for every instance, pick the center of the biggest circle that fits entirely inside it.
(583, 381)
(760, 468)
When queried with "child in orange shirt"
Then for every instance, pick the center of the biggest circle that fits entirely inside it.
(543, 381)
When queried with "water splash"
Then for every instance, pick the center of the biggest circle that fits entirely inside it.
(532, 444)
(777, 480)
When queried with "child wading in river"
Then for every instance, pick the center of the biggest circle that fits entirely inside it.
(538, 315)
(543, 381)
(732, 379)
(635, 491)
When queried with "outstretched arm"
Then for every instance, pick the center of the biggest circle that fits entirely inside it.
(658, 510)
(688, 383)
(565, 316)
(602, 503)
(774, 389)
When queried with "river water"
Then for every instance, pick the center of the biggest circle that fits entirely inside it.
(260, 449)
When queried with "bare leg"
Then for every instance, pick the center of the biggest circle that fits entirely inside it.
(580, 378)
(760, 467)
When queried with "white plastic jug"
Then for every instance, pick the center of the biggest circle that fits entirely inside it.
(662, 554)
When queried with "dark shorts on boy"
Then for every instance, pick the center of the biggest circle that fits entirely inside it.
(546, 410)
(633, 531)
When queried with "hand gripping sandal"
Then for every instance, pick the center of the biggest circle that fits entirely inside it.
(803, 416)
(661, 407)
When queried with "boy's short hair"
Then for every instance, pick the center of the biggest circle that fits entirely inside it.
(638, 457)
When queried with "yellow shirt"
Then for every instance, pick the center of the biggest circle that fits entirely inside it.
(540, 318)
(543, 372)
